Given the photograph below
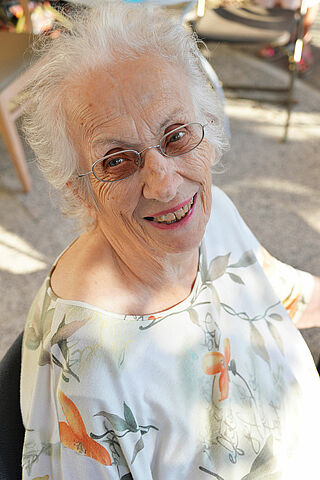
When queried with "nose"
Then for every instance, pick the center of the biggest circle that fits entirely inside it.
(160, 178)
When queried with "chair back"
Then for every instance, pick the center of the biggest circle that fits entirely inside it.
(248, 24)
(15, 70)
(12, 429)
(15, 56)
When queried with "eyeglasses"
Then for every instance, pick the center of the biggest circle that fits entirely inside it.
(124, 163)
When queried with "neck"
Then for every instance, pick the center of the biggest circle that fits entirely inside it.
(159, 280)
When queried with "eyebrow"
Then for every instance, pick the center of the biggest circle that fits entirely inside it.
(174, 113)
(115, 141)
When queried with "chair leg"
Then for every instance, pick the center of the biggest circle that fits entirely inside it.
(293, 73)
(293, 61)
(14, 146)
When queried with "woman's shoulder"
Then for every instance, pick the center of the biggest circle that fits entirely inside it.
(84, 273)
(72, 269)
(226, 228)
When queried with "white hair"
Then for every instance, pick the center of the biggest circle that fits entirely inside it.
(107, 33)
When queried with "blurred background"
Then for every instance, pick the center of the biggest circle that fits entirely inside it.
(274, 184)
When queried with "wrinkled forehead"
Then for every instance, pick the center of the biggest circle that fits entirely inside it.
(141, 90)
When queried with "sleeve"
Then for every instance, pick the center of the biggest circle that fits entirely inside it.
(58, 410)
(293, 287)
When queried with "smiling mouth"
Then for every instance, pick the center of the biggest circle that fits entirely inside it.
(173, 217)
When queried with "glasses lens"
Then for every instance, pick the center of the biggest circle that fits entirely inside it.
(117, 166)
(182, 140)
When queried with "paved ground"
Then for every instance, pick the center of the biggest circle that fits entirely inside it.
(275, 186)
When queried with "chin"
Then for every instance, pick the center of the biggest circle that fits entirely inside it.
(185, 240)
(186, 246)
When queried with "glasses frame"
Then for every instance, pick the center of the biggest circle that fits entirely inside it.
(146, 149)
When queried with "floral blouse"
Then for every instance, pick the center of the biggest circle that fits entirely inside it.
(220, 386)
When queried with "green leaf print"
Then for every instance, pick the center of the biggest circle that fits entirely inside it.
(118, 423)
(205, 470)
(244, 316)
(236, 278)
(44, 358)
(61, 338)
(129, 417)
(248, 258)
(194, 317)
(122, 357)
(128, 426)
(276, 335)
(32, 453)
(138, 446)
(258, 345)
(64, 349)
(262, 468)
(66, 330)
(203, 263)
(39, 328)
(33, 339)
(276, 316)
(218, 266)
(215, 298)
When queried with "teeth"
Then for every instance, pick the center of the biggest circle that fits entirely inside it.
(180, 213)
(170, 217)
(174, 216)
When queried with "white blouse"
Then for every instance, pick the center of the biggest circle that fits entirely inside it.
(221, 385)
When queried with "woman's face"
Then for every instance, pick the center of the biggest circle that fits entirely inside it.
(132, 105)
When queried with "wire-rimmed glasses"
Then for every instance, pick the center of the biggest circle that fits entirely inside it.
(124, 163)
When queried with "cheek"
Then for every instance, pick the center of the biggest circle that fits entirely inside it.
(199, 170)
(197, 166)
(106, 199)
(115, 199)
(107, 193)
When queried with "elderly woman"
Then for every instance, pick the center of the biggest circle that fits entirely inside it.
(156, 347)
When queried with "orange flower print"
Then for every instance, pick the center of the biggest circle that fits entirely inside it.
(291, 304)
(153, 318)
(74, 435)
(214, 363)
(275, 270)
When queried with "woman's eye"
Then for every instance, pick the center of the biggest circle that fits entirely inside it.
(114, 162)
(176, 136)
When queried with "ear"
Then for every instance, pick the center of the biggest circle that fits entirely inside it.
(73, 186)
(212, 155)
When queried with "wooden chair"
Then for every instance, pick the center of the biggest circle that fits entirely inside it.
(15, 69)
(12, 429)
(250, 24)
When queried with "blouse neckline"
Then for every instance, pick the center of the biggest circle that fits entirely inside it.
(122, 316)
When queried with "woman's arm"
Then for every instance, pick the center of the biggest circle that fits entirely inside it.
(310, 317)
(298, 291)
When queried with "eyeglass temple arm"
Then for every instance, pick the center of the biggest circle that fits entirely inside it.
(208, 123)
(84, 174)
